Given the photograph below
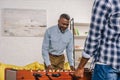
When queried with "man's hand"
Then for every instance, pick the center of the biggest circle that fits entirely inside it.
(49, 67)
(79, 73)
(72, 68)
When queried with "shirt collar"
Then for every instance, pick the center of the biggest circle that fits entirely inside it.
(60, 30)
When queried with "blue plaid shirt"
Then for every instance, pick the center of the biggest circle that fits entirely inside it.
(103, 41)
(55, 42)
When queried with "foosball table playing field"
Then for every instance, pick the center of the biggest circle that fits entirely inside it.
(12, 74)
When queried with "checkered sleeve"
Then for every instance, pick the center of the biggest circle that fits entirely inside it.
(98, 20)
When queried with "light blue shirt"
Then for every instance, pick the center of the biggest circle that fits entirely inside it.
(55, 42)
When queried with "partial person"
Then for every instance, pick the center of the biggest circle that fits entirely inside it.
(103, 41)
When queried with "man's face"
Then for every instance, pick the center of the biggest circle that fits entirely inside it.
(63, 24)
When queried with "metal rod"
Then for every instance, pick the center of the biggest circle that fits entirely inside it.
(73, 31)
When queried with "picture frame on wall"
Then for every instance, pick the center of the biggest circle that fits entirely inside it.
(23, 22)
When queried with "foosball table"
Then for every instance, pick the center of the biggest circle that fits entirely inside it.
(12, 74)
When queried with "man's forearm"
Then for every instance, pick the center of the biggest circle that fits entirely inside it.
(83, 62)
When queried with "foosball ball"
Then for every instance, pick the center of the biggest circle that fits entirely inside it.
(12, 74)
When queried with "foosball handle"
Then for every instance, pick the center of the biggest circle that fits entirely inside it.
(36, 75)
(48, 76)
(56, 75)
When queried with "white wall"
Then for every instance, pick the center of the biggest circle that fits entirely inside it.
(24, 50)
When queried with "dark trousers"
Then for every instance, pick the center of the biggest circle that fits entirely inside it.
(105, 72)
